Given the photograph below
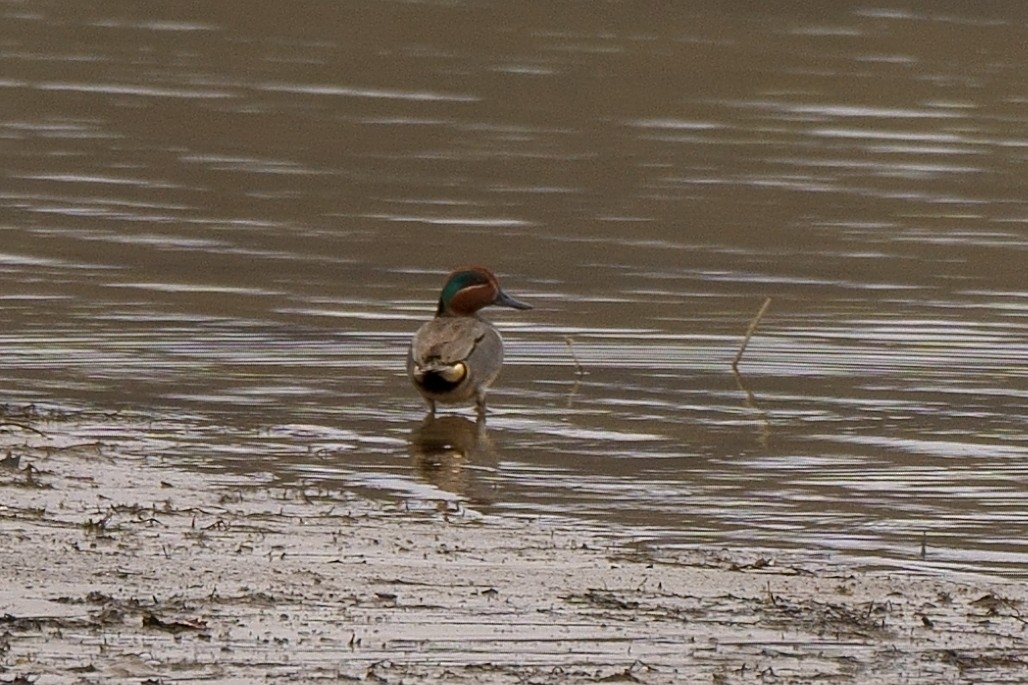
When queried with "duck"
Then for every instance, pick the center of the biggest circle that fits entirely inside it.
(455, 357)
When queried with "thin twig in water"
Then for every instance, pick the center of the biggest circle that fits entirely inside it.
(579, 371)
(749, 333)
(24, 427)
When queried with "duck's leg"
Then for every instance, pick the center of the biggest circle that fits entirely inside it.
(480, 405)
(431, 407)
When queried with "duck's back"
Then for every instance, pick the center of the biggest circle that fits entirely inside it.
(446, 341)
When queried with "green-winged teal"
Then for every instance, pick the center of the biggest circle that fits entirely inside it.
(455, 356)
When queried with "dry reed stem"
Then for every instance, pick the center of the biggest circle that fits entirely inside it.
(749, 333)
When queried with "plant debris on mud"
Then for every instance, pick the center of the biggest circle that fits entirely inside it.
(119, 569)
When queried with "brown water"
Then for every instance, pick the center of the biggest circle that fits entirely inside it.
(226, 223)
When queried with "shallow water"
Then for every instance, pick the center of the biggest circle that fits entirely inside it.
(227, 227)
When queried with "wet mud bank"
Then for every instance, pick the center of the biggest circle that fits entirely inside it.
(118, 568)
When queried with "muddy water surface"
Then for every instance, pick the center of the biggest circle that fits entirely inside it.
(226, 226)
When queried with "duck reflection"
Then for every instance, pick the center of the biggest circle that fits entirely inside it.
(443, 451)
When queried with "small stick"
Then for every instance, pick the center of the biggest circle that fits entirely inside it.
(749, 333)
(579, 371)
(24, 427)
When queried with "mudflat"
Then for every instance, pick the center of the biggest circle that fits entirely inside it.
(119, 568)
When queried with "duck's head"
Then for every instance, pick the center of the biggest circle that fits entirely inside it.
(471, 288)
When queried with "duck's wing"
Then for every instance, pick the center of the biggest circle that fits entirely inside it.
(446, 340)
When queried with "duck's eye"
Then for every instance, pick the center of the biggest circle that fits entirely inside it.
(455, 373)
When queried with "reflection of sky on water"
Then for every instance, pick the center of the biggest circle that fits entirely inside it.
(225, 232)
